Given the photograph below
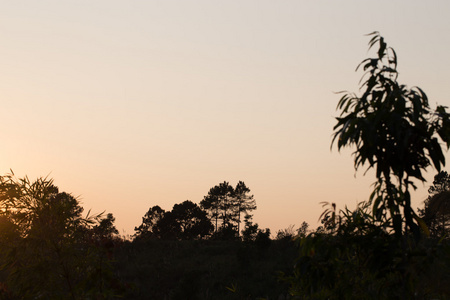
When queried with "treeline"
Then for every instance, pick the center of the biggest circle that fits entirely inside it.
(219, 216)
(381, 250)
(51, 249)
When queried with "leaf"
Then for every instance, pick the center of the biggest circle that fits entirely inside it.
(382, 48)
(366, 60)
(372, 33)
(233, 288)
(422, 224)
(374, 40)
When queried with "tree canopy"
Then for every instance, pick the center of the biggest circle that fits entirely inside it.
(185, 221)
(149, 221)
(436, 211)
(47, 247)
(226, 204)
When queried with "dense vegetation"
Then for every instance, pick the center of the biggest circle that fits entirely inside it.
(50, 249)
(382, 250)
(205, 269)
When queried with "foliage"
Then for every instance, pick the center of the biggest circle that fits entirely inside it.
(302, 231)
(360, 259)
(291, 233)
(368, 253)
(203, 269)
(395, 131)
(244, 203)
(167, 227)
(287, 233)
(441, 183)
(47, 250)
(37, 208)
(437, 214)
(192, 220)
(250, 230)
(262, 239)
(225, 205)
(436, 211)
(149, 221)
(105, 229)
(186, 221)
(218, 204)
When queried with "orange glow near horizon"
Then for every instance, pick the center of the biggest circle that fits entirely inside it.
(131, 105)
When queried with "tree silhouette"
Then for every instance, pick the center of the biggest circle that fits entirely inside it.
(377, 250)
(192, 221)
(243, 202)
(211, 204)
(436, 211)
(39, 209)
(437, 214)
(441, 183)
(225, 204)
(395, 131)
(250, 229)
(185, 221)
(167, 227)
(149, 221)
(47, 253)
(219, 205)
(226, 200)
(105, 229)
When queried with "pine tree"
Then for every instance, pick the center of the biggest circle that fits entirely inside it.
(243, 202)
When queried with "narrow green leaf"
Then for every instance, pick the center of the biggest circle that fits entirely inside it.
(422, 224)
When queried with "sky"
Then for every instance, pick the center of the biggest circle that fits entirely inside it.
(131, 104)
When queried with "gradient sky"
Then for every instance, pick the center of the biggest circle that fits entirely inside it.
(131, 104)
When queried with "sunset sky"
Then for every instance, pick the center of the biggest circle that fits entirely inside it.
(131, 104)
